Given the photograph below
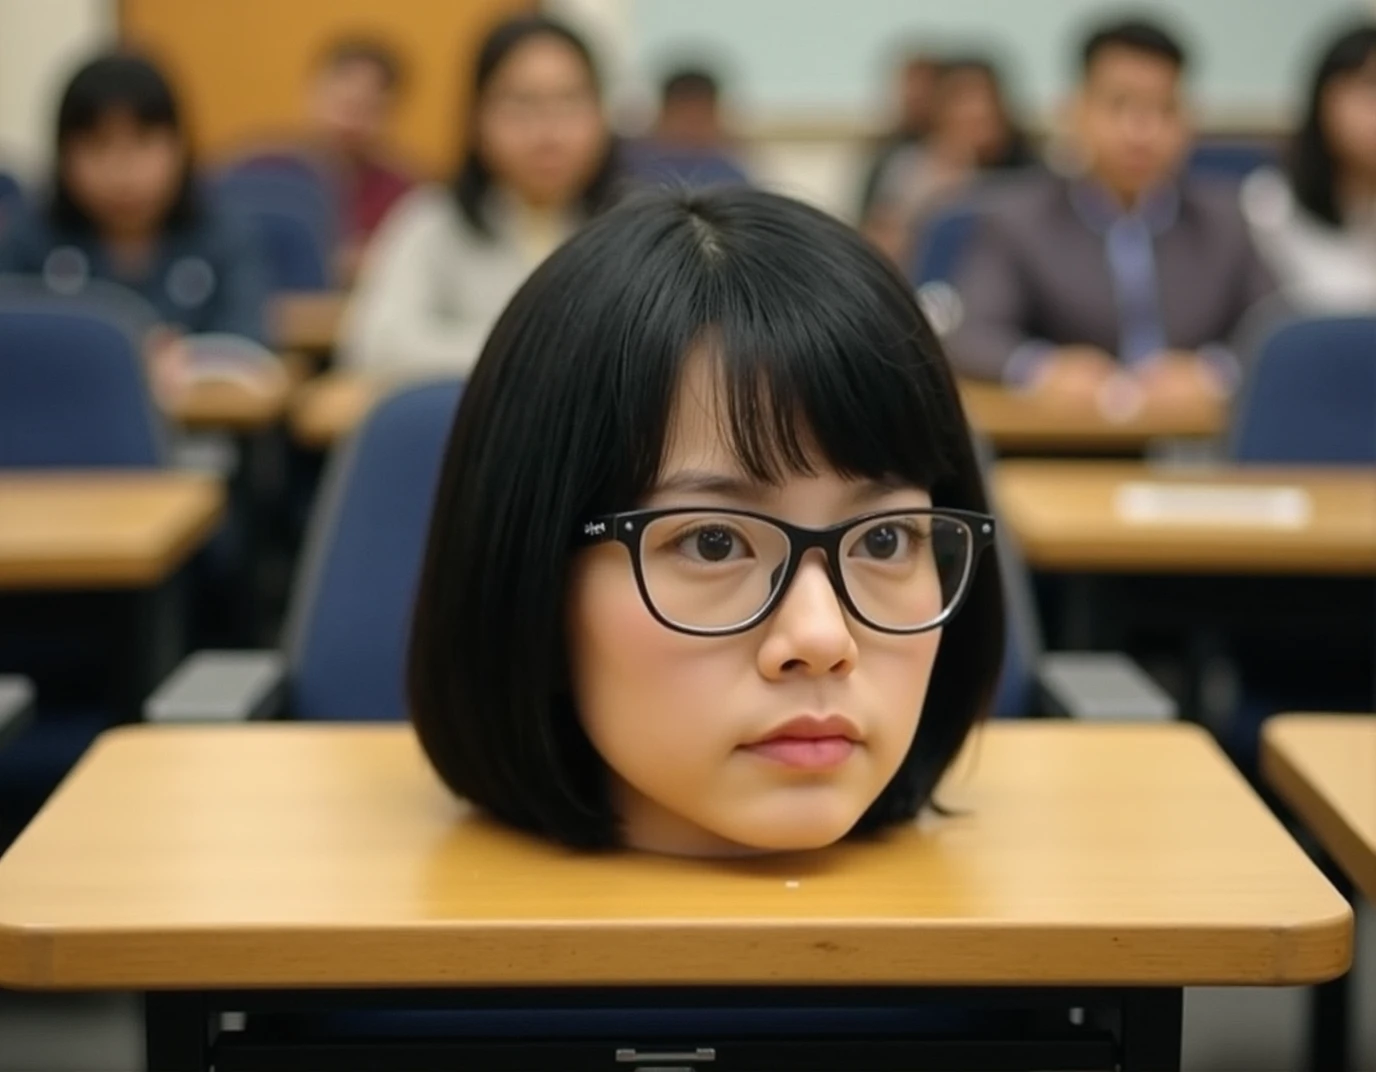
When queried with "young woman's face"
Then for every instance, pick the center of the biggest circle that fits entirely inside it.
(688, 725)
(1349, 119)
(124, 174)
(540, 125)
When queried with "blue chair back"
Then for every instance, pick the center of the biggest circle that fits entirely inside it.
(73, 393)
(351, 617)
(941, 245)
(1310, 395)
(1231, 160)
(11, 199)
(295, 217)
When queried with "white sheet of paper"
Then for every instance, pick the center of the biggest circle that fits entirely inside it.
(1239, 505)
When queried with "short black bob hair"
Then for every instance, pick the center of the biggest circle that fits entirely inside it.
(817, 340)
(109, 83)
(1313, 168)
(473, 180)
(1137, 35)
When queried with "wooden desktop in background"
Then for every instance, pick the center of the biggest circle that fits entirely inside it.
(102, 529)
(292, 856)
(1063, 516)
(1020, 423)
(1324, 768)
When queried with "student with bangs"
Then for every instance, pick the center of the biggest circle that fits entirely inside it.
(124, 209)
(706, 573)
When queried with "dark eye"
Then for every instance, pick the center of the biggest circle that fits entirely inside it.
(882, 541)
(715, 545)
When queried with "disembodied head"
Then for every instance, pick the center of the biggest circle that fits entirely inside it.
(704, 570)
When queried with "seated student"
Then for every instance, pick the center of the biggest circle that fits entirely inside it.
(539, 161)
(914, 97)
(971, 133)
(704, 575)
(1316, 225)
(1126, 281)
(688, 145)
(124, 209)
(353, 95)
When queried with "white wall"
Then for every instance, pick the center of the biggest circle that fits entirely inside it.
(40, 40)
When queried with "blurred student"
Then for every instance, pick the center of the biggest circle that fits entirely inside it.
(124, 209)
(914, 92)
(539, 162)
(1119, 286)
(971, 132)
(689, 144)
(1316, 224)
(353, 96)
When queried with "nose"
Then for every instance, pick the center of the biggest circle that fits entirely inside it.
(808, 633)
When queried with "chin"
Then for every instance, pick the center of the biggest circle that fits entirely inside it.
(797, 833)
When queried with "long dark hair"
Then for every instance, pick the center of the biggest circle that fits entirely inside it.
(473, 180)
(119, 81)
(820, 347)
(1313, 169)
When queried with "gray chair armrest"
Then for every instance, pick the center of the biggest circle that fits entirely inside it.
(1104, 686)
(16, 704)
(220, 686)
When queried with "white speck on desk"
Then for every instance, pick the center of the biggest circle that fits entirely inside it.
(792, 884)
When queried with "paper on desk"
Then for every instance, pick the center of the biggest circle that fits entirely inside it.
(1246, 506)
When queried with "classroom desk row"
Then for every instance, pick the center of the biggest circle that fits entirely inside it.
(1096, 867)
(327, 409)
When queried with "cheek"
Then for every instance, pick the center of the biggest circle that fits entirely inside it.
(642, 690)
(897, 672)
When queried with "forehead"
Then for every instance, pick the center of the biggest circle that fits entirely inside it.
(1119, 67)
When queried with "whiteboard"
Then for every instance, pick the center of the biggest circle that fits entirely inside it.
(830, 58)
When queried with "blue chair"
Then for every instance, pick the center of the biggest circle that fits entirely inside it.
(1231, 159)
(350, 616)
(1310, 395)
(73, 393)
(295, 218)
(941, 244)
(11, 198)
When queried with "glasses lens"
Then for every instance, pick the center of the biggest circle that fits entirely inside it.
(906, 571)
(711, 571)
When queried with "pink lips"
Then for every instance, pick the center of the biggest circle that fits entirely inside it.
(810, 744)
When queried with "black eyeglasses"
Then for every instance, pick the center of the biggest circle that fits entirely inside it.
(718, 572)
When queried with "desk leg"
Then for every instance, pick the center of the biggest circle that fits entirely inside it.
(177, 1033)
(1330, 1003)
(1152, 1030)
(154, 641)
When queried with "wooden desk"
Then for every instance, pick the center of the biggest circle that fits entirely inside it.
(1324, 768)
(1063, 514)
(328, 408)
(102, 529)
(230, 407)
(1015, 422)
(308, 322)
(294, 857)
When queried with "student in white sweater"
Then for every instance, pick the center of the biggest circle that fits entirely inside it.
(539, 161)
(1316, 226)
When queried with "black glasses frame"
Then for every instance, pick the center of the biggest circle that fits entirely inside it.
(629, 526)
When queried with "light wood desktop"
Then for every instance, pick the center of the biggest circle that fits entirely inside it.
(307, 321)
(102, 529)
(298, 856)
(328, 408)
(231, 407)
(1067, 516)
(1021, 423)
(1324, 768)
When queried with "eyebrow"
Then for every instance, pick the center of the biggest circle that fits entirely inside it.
(743, 489)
